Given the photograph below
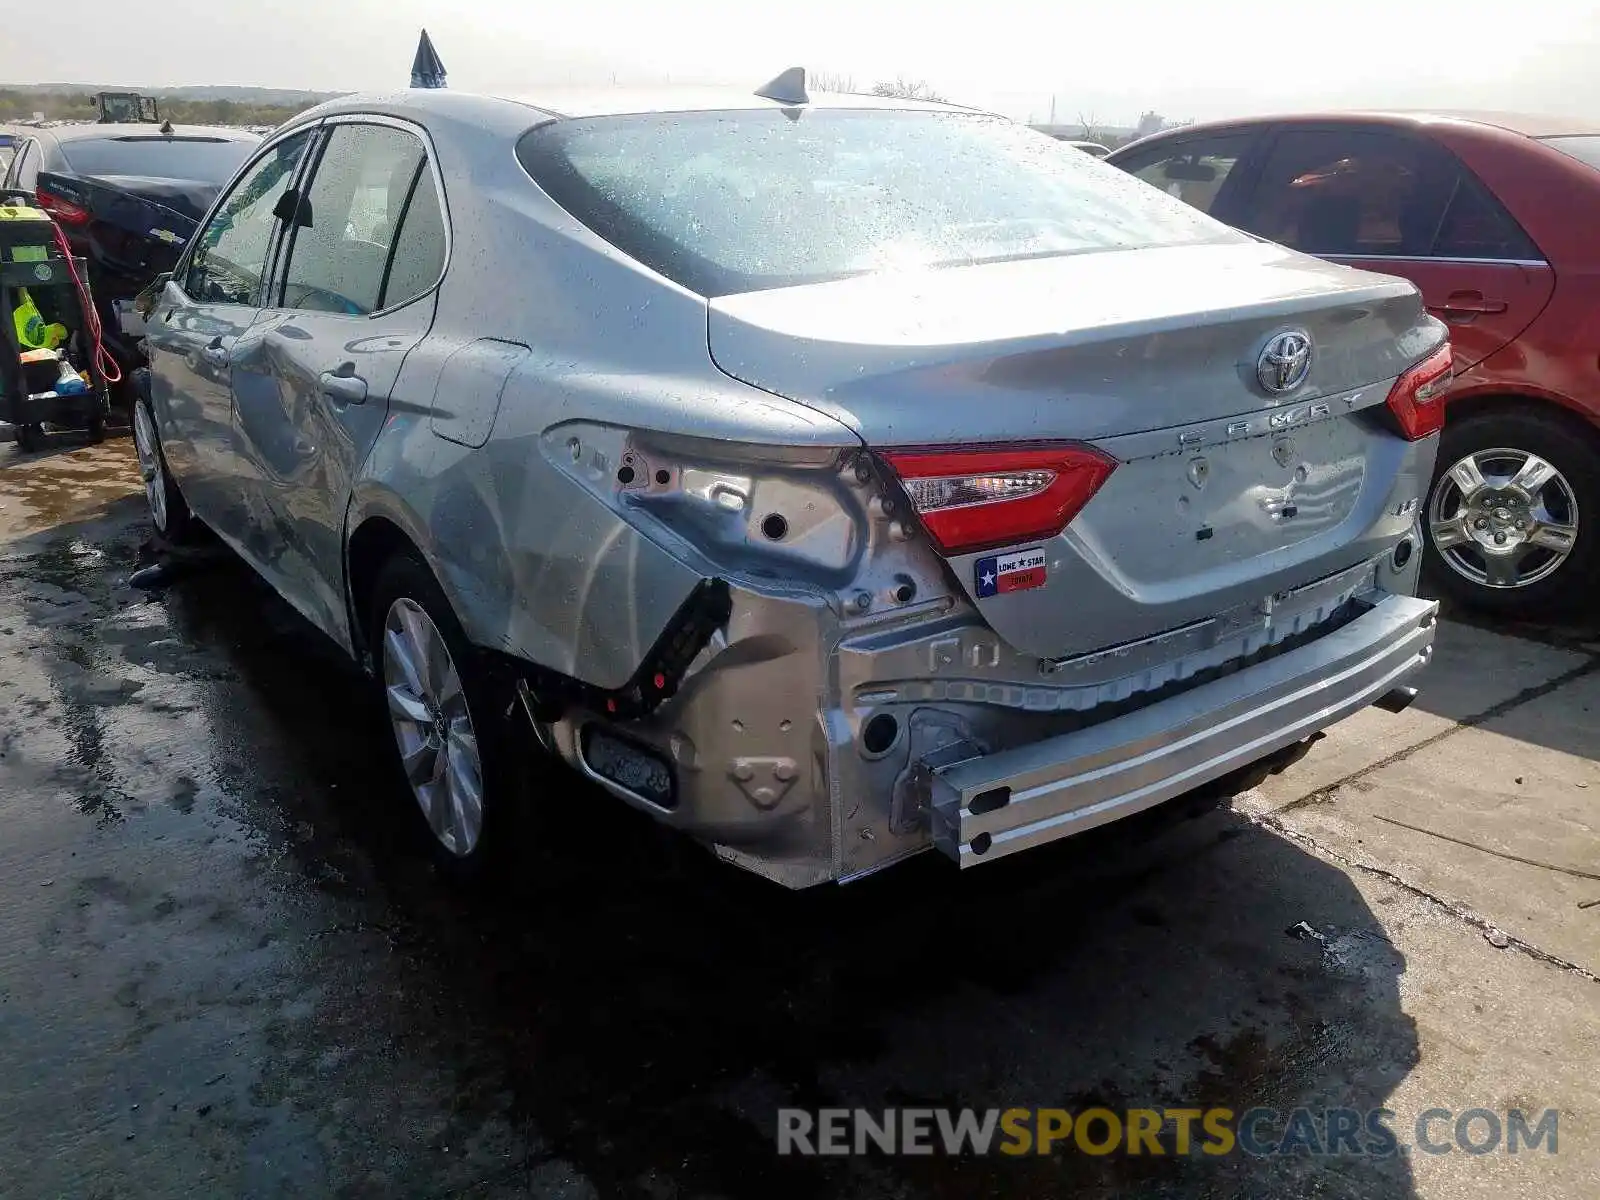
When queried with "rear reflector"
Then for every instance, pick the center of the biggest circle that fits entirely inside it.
(985, 497)
(61, 209)
(1417, 398)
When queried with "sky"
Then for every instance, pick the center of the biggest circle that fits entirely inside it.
(1111, 62)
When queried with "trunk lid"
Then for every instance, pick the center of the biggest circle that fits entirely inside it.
(1225, 495)
(138, 225)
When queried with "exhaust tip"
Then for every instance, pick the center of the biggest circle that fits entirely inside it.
(1397, 700)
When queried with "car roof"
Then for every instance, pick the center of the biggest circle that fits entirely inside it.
(1532, 125)
(101, 131)
(618, 101)
(562, 103)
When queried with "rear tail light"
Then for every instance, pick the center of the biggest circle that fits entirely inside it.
(1417, 398)
(62, 209)
(985, 497)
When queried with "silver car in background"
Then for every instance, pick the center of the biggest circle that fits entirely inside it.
(832, 478)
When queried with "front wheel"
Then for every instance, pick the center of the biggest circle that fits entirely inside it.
(1514, 513)
(440, 707)
(169, 512)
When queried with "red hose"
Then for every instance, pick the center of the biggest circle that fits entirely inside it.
(108, 366)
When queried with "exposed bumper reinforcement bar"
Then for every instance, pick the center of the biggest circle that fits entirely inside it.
(988, 807)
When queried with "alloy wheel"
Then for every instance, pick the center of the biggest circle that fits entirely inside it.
(151, 471)
(433, 726)
(1503, 518)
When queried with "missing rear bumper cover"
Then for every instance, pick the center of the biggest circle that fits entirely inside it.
(656, 680)
(1078, 780)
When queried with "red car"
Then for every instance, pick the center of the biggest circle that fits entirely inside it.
(1496, 219)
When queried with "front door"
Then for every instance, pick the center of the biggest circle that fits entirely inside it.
(1403, 205)
(313, 375)
(193, 333)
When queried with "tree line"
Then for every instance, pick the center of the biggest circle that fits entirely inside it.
(68, 106)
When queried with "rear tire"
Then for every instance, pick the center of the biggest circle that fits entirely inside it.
(446, 720)
(1515, 500)
(169, 512)
(30, 437)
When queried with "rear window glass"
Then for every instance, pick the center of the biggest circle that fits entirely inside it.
(1475, 226)
(728, 202)
(1585, 148)
(205, 160)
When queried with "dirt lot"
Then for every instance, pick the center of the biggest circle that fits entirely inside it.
(225, 970)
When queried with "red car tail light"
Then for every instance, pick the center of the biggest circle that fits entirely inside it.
(983, 497)
(63, 210)
(1417, 398)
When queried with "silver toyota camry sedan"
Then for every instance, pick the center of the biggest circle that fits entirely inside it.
(832, 478)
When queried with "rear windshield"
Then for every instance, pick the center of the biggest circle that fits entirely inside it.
(728, 202)
(1584, 148)
(205, 160)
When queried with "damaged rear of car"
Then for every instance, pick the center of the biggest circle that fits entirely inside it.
(837, 480)
(1136, 502)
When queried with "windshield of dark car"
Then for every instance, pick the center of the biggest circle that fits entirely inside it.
(727, 202)
(205, 160)
(1585, 147)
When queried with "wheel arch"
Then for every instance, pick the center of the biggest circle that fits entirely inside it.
(373, 539)
(1497, 403)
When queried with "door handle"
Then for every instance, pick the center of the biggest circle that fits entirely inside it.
(343, 388)
(1468, 303)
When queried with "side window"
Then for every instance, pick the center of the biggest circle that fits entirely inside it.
(1357, 193)
(1475, 226)
(1195, 171)
(230, 253)
(416, 260)
(368, 215)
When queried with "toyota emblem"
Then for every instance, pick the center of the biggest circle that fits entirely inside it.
(1284, 363)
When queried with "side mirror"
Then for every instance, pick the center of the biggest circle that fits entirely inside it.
(145, 302)
(291, 209)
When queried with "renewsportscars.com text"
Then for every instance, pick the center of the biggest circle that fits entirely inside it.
(1260, 1132)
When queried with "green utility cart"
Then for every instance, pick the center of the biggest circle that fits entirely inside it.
(45, 306)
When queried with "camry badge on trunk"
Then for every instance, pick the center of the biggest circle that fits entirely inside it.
(1285, 362)
(1001, 573)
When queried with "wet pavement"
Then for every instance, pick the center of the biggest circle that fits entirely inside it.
(227, 969)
